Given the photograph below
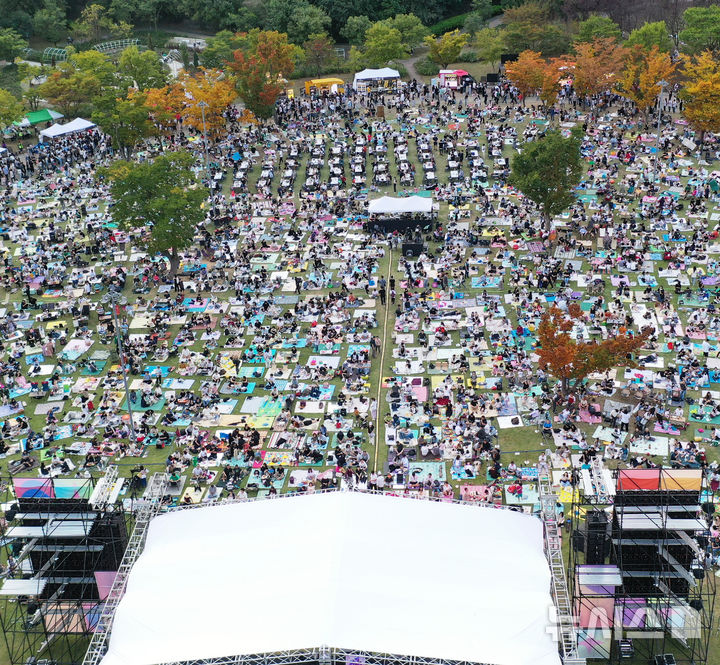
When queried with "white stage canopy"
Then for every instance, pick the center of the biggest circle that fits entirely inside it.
(375, 75)
(396, 205)
(77, 125)
(344, 570)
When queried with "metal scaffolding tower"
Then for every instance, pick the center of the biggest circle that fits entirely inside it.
(148, 507)
(567, 635)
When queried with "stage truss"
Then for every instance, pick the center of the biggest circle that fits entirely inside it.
(65, 538)
(617, 638)
(322, 655)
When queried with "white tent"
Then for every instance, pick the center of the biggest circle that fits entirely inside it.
(351, 571)
(397, 205)
(77, 125)
(384, 74)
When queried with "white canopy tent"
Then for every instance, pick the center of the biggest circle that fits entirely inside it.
(396, 205)
(77, 125)
(342, 570)
(368, 75)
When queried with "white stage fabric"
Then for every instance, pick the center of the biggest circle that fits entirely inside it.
(400, 204)
(344, 570)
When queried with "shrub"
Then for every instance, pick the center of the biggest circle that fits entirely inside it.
(426, 67)
(448, 24)
(469, 55)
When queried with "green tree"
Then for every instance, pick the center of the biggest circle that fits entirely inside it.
(490, 45)
(483, 8)
(527, 28)
(446, 49)
(383, 44)
(159, 199)
(143, 69)
(305, 21)
(702, 29)
(597, 27)
(219, 49)
(11, 109)
(547, 172)
(70, 90)
(318, 51)
(649, 35)
(11, 44)
(95, 63)
(51, 21)
(95, 22)
(410, 28)
(355, 29)
(30, 76)
(125, 119)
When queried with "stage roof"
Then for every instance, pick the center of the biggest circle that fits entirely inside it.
(344, 570)
(401, 204)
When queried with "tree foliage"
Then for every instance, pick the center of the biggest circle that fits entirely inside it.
(649, 35)
(597, 27)
(598, 64)
(382, 44)
(95, 23)
(142, 69)
(571, 361)
(527, 72)
(160, 199)
(644, 69)
(410, 27)
(446, 49)
(71, 90)
(527, 27)
(11, 109)
(260, 65)
(701, 92)
(355, 28)
(318, 51)
(51, 21)
(548, 170)
(125, 119)
(11, 44)
(490, 45)
(702, 29)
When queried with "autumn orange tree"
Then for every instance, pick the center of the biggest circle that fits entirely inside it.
(165, 104)
(261, 64)
(644, 69)
(570, 361)
(598, 64)
(527, 72)
(213, 88)
(701, 92)
(554, 71)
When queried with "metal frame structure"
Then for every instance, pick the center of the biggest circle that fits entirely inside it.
(53, 53)
(325, 656)
(668, 561)
(49, 603)
(321, 655)
(567, 635)
(115, 45)
(148, 507)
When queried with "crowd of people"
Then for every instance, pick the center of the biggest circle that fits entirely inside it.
(301, 344)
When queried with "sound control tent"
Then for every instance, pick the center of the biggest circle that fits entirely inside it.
(342, 571)
(77, 125)
(369, 77)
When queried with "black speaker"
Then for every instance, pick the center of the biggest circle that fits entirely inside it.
(597, 527)
(493, 78)
(508, 57)
(696, 604)
(578, 541)
(412, 248)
